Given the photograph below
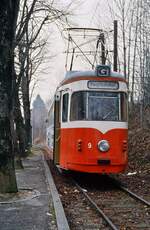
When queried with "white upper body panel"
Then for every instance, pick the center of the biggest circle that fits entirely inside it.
(83, 85)
(102, 126)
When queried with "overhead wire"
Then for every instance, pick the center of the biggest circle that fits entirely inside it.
(83, 53)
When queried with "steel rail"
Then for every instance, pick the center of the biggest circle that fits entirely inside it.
(132, 194)
(103, 215)
(126, 190)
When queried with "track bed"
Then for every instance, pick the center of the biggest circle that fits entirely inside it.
(124, 211)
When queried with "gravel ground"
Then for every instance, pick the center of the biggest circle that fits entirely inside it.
(124, 211)
(137, 174)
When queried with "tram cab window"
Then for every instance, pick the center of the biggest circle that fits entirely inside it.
(65, 107)
(98, 106)
(103, 106)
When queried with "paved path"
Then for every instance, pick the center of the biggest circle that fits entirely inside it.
(35, 211)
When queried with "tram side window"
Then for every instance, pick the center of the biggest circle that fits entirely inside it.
(124, 106)
(65, 107)
(78, 106)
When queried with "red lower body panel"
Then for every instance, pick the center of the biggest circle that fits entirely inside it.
(79, 150)
(97, 168)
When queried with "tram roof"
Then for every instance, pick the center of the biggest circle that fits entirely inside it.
(91, 73)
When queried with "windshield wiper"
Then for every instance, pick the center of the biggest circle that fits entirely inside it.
(107, 115)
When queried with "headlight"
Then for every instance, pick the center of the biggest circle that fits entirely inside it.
(103, 146)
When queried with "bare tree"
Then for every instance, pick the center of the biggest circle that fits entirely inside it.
(34, 17)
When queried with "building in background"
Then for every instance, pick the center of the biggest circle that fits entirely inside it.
(38, 120)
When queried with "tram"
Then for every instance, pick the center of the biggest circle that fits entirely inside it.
(88, 127)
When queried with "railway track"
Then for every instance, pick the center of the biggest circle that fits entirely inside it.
(95, 206)
(107, 218)
(98, 204)
(135, 196)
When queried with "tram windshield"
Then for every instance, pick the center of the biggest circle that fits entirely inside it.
(98, 106)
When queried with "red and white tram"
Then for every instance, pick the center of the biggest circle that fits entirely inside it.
(90, 122)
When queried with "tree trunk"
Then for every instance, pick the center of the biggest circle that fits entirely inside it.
(8, 16)
(27, 113)
(134, 56)
(20, 132)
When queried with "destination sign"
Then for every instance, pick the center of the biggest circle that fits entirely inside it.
(103, 85)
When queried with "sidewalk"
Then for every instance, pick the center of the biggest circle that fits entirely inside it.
(32, 208)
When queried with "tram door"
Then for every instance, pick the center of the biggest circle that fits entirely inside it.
(56, 152)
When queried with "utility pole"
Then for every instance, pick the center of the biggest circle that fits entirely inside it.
(115, 45)
(103, 48)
